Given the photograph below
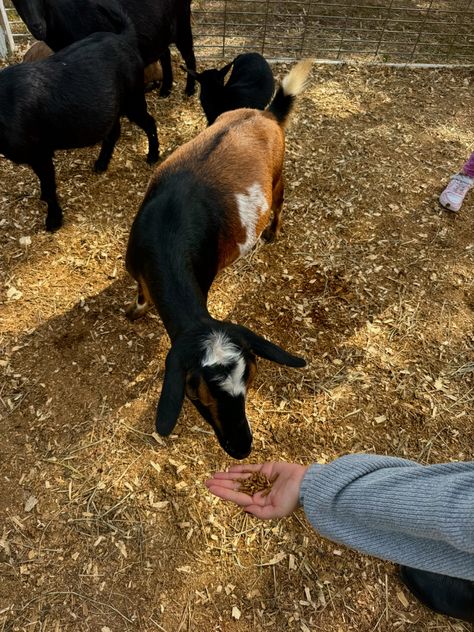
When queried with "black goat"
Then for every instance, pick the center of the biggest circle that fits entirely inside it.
(73, 98)
(152, 75)
(250, 85)
(158, 23)
(207, 205)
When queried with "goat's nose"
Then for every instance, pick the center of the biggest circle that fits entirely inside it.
(238, 453)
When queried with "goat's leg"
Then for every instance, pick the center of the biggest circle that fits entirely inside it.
(140, 305)
(184, 44)
(43, 166)
(272, 231)
(107, 149)
(167, 81)
(137, 112)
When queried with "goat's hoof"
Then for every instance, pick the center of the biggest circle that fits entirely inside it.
(189, 92)
(151, 160)
(100, 167)
(153, 85)
(134, 311)
(165, 92)
(269, 235)
(53, 224)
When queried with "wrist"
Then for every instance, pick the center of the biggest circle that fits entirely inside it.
(309, 474)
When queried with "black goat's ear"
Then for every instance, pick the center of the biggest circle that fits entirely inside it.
(270, 351)
(191, 72)
(225, 70)
(172, 393)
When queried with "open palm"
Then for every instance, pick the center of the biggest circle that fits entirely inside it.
(281, 500)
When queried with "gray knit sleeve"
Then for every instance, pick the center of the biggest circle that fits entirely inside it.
(417, 515)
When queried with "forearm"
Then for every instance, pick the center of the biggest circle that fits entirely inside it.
(420, 516)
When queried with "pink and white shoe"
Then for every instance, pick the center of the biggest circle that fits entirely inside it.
(453, 195)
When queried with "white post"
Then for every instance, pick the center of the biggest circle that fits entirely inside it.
(6, 39)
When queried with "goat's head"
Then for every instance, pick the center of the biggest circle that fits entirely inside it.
(33, 14)
(212, 83)
(212, 77)
(214, 367)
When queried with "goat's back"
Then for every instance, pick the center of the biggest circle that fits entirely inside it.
(70, 99)
(241, 147)
(157, 23)
(228, 169)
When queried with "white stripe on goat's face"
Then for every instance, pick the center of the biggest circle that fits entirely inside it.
(219, 349)
(234, 383)
(251, 206)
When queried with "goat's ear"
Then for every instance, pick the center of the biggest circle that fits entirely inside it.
(191, 72)
(172, 393)
(225, 70)
(270, 351)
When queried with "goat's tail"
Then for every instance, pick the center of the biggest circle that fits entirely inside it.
(293, 84)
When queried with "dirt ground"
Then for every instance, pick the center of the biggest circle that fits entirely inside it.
(105, 527)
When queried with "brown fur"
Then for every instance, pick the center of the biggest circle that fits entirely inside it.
(251, 151)
(142, 303)
(36, 52)
(153, 73)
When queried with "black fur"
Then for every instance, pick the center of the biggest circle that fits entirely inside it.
(451, 596)
(250, 85)
(281, 105)
(173, 248)
(73, 98)
(158, 24)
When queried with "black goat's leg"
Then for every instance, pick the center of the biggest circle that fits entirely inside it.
(141, 304)
(107, 149)
(167, 81)
(184, 44)
(43, 166)
(137, 112)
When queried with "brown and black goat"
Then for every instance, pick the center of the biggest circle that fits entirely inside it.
(207, 205)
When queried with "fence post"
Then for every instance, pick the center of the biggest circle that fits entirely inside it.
(6, 39)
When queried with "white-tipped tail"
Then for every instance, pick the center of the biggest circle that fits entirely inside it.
(295, 80)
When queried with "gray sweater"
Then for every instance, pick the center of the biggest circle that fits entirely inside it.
(417, 515)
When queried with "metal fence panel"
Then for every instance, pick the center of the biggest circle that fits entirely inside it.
(387, 31)
(384, 31)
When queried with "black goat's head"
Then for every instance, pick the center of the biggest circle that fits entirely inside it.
(214, 368)
(212, 91)
(212, 77)
(33, 14)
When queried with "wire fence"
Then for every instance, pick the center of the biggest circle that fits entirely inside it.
(390, 31)
(380, 31)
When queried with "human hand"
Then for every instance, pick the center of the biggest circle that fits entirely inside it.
(281, 500)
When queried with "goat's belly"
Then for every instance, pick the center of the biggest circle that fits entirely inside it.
(254, 212)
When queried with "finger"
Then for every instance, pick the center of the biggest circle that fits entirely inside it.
(246, 467)
(234, 476)
(231, 494)
(228, 484)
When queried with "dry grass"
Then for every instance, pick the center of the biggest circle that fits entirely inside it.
(106, 526)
